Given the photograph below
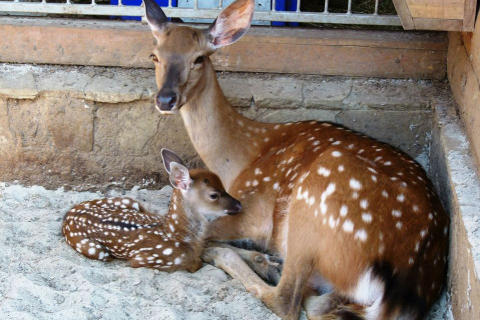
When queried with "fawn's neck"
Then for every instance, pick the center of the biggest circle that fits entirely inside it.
(184, 219)
(224, 139)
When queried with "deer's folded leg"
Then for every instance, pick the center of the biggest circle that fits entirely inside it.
(268, 267)
(230, 262)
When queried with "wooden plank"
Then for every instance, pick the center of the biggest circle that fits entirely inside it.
(465, 88)
(469, 16)
(263, 49)
(437, 9)
(438, 24)
(404, 14)
(471, 41)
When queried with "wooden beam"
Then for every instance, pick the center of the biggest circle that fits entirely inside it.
(404, 13)
(436, 9)
(438, 24)
(390, 54)
(470, 13)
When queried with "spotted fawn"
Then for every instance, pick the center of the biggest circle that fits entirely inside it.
(121, 228)
(346, 212)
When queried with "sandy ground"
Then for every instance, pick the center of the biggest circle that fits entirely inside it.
(41, 277)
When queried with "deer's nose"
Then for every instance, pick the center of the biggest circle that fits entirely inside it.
(166, 100)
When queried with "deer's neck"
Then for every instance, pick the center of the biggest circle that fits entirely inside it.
(225, 140)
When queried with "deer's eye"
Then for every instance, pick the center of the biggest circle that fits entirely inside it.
(200, 59)
(154, 57)
(214, 196)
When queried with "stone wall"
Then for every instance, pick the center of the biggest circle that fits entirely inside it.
(96, 128)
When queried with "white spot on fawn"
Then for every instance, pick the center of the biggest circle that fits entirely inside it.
(336, 154)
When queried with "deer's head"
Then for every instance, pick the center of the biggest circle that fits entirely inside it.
(182, 53)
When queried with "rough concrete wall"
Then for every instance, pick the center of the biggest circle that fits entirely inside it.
(91, 128)
(453, 171)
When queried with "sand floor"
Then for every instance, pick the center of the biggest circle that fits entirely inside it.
(41, 277)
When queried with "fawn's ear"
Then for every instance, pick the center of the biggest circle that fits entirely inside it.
(169, 157)
(179, 176)
(156, 18)
(232, 23)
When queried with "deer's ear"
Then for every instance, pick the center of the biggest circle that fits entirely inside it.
(179, 177)
(169, 157)
(232, 23)
(156, 18)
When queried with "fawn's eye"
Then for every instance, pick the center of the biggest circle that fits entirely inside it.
(214, 196)
(200, 59)
(154, 57)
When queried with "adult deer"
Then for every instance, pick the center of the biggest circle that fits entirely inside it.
(121, 228)
(352, 217)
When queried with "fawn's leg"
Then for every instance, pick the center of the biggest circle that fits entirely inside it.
(93, 250)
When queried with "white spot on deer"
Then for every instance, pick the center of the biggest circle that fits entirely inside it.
(387, 163)
(361, 235)
(311, 201)
(276, 185)
(171, 227)
(366, 217)
(384, 194)
(117, 203)
(240, 123)
(355, 184)
(343, 210)
(126, 201)
(174, 206)
(323, 171)
(348, 226)
(258, 171)
(266, 139)
(91, 251)
(177, 261)
(336, 154)
(410, 261)
(254, 183)
(396, 213)
(136, 206)
(276, 127)
(364, 203)
(329, 191)
(399, 225)
(374, 178)
(417, 246)
(416, 209)
(423, 233)
(316, 143)
(167, 251)
(248, 183)
(341, 168)
(266, 179)
(332, 222)
(400, 198)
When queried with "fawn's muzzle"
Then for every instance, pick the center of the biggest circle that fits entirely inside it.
(234, 208)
